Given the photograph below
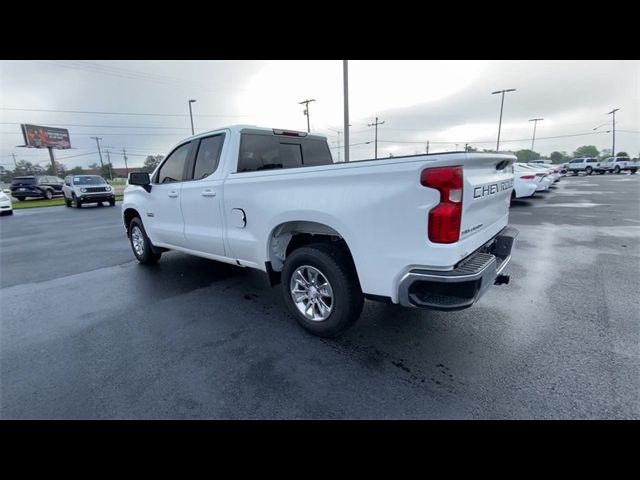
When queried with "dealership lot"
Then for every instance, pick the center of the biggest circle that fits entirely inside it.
(88, 333)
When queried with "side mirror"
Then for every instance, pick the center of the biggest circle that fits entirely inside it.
(141, 179)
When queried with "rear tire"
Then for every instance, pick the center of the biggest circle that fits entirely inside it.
(589, 170)
(112, 203)
(21, 199)
(140, 243)
(345, 300)
(48, 194)
(616, 170)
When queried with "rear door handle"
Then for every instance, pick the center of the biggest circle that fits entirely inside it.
(173, 194)
(208, 193)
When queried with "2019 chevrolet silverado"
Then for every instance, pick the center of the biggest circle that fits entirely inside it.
(422, 231)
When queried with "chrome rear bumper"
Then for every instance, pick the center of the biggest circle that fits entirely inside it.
(465, 284)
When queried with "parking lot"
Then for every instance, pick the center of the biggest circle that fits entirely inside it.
(89, 333)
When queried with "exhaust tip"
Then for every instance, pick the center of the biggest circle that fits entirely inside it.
(502, 280)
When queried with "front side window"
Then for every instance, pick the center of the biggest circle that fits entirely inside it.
(208, 156)
(172, 170)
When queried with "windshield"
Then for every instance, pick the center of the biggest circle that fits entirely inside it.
(88, 180)
(24, 180)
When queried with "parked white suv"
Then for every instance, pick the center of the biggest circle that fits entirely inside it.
(586, 164)
(425, 231)
(81, 189)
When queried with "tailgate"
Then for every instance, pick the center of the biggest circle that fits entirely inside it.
(488, 183)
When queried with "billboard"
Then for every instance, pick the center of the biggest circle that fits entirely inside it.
(45, 137)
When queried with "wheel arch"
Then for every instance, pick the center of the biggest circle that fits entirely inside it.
(291, 235)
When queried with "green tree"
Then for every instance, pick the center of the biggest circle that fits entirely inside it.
(586, 151)
(75, 171)
(622, 154)
(24, 167)
(105, 171)
(151, 162)
(526, 155)
(62, 170)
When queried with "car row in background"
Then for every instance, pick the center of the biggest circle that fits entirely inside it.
(589, 165)
(529, 178)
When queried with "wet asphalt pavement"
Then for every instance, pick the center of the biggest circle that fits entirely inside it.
(89, 333)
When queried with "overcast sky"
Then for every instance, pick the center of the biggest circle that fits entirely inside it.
(445, 102)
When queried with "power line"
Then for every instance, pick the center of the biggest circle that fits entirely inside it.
(116, 113)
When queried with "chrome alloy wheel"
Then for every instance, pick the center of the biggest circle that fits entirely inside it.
(312, 293)
(137, 240)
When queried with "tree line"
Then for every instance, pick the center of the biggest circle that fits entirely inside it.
(24, 168)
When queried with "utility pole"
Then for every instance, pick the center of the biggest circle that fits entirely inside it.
(15, 164)
(466, 147)
(535, 124)
(306, 111)
(613, 148)
(376, 125)
(126, 167)
(427, 146)
(501, 107)
(97, 139)
(191, 116)
(54, 168)
(345, 80)
(109, 162)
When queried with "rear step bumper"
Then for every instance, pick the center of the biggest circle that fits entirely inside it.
(466, 283)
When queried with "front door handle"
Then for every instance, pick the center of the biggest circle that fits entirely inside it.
(208, 193)
(173, 194)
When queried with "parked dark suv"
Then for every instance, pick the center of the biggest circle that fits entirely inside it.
(36, 186)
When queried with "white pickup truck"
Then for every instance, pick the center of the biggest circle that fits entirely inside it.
(617, 165)
(425, 231)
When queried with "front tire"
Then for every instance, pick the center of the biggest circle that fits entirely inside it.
(321, 289)
(76, 201)
(589, 170)
(48, 194)
(616, 170)
(112, 202)
(140, 243)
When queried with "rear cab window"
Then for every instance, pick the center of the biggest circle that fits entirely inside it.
(264, 151)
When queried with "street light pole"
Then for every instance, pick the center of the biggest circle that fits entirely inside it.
(613, 148)
(535, 124)
(501, 108)
(191, 116)
(345, 80)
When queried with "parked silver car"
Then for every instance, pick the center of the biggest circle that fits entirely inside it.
(81, 189)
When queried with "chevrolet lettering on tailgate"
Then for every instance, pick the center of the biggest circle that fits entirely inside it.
(492, 188)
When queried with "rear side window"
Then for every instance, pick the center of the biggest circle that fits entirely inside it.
(591, 160)
(316, 152)
(172, 169)
(261, 152)
(208, 156)
(290, 155)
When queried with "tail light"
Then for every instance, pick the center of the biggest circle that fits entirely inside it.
(528, 177)
(444, 218)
